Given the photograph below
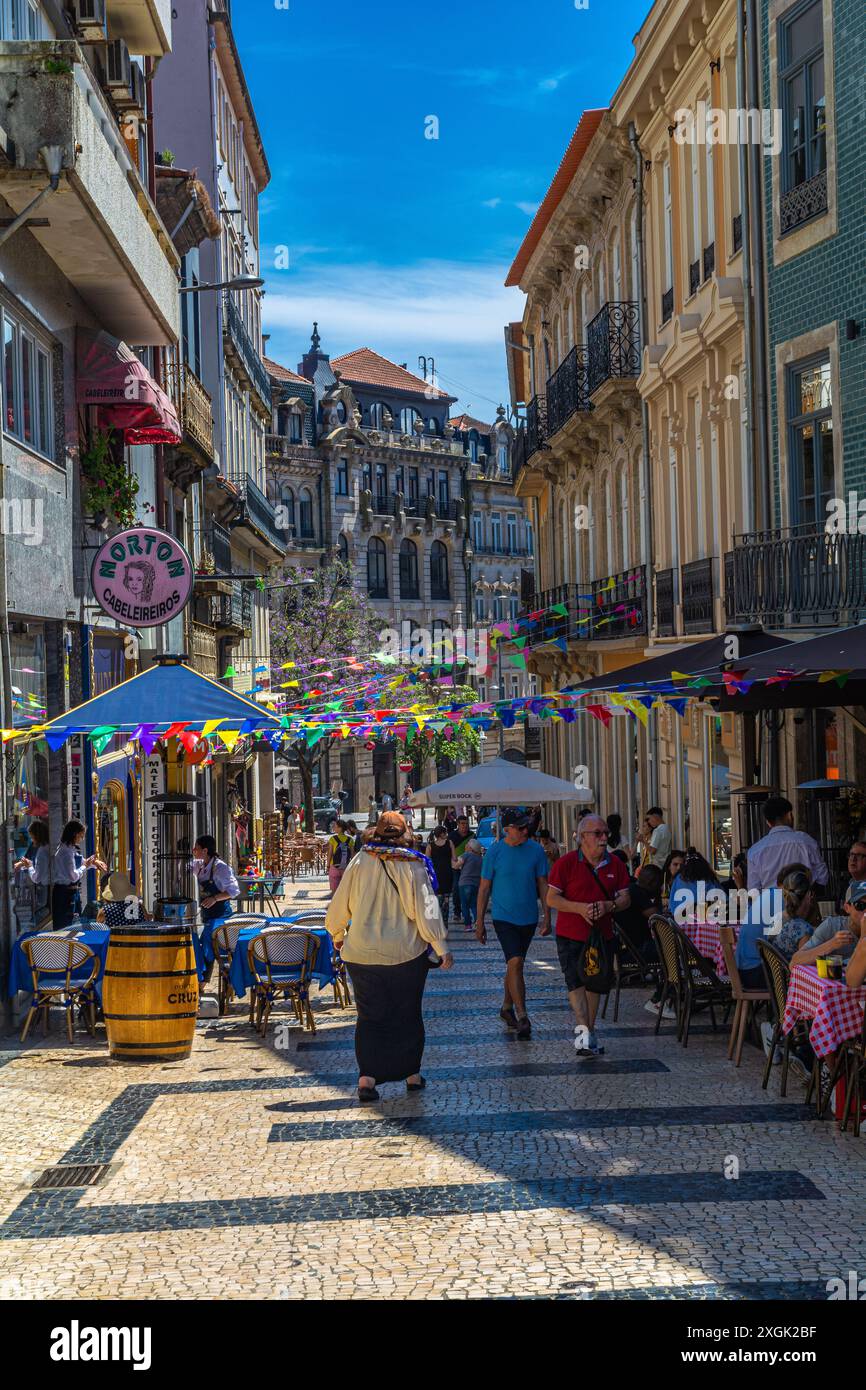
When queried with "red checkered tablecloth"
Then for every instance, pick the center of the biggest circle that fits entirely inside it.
(835, 1010)
(705, 935)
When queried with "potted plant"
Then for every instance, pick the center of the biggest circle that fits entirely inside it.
(108, 489)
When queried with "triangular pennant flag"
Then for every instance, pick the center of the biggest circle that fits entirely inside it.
(679, 705)
(639, 711)
(174, 729)
(601, 713)
(55, 738)
(210, 725)
(229, 673)
(229, 737)
(100, 742)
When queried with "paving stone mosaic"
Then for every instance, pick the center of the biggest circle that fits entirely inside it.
(522, 1171)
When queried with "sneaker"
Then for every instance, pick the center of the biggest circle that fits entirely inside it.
(799, 1068)
(524, 1027)
(508, 1016)
(595, 1046)
(767, 1039)
(581, 1040)
(652, 1006)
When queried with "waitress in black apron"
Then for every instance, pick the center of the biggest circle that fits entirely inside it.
(70, 867)
(218, 887)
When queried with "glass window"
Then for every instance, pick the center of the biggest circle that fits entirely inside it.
(409, 570)
(377, 415)
(381, 487)
(306, 514)
(408, 416)
(810, 424)
(439, 587)
(496, 530)
(480, 608)
(400, 480)
(477, 530)
(377, 569)
(367, 477)
(296, 427)
(473, 446)
(27, 387)
(444, 492)
(342, 477)
(503, 459)
(413, 484)
(802, 95)
(511, 532)
(288, 504)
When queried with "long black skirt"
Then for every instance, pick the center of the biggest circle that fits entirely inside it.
(389, 1034)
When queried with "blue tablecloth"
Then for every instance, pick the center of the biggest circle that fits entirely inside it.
(240, 975)
(20, 976)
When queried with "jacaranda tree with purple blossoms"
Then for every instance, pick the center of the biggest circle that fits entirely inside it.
(320, 625)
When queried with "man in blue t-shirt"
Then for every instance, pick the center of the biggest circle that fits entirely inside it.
(513, 881)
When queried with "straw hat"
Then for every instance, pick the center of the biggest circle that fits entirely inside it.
(119, 888)
(390, 826)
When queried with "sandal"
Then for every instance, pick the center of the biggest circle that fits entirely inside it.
(366, 1094)
(416, 1085)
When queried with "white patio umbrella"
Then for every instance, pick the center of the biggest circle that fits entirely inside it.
(501, 783)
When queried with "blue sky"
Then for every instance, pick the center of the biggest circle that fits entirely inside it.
(398, 242)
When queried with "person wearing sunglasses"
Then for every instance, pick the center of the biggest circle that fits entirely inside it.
(587, 887)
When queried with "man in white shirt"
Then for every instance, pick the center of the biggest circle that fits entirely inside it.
(657, 845)
(783, 845)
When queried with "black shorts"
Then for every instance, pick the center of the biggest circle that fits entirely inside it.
(514, 940)
(570, 956)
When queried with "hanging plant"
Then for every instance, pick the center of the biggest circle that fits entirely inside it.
(107, 486)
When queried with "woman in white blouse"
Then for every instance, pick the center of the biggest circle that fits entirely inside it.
(69, 869)
(38, 869)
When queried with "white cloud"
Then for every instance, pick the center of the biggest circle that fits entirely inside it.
(550, 84)
(491, 202)
(529, 208)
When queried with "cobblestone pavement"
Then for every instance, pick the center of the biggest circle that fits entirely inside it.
(522, 1171)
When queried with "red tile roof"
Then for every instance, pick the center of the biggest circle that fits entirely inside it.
(283, 373)
(468, 422)
(368, 368)
(578, 145)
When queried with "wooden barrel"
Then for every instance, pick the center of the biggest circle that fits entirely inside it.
(150, 992)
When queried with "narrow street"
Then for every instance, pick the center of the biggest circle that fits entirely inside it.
(521, 1172)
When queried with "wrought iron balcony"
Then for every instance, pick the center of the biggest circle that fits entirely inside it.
(194, 406)
(802, 203)
(613, 340)
(697, 590)
(217, 543)
(248, 359)
(259, 514)
(568, 389)
(233, 613)
(537, 430)
(623, 610)
(694, 277)
(799, 578)
(204, 652)
(737, 233)
(665, 603)
(667, 305)
(709, 260)
(517, 552)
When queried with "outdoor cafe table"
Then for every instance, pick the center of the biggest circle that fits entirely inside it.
(240, 974)
(835, 1010)
(20, 975)
(255, 889)
(705, 936)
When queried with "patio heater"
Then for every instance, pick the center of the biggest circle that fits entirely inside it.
(826, 824)
(176, 899)
(751, 826)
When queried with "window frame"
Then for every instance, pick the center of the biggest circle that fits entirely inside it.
(39, 350)
(794, 426)
(440, 578)
(788, 71)
(376, 547)
(410, 584)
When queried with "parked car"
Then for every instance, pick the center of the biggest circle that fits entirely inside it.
(325, 808)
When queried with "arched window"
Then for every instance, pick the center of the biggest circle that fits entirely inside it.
(305, 518)
(343, 557)
(377, 415)
(439, 584)
(409, 570)
(287, 503)
(408, 416)
(377, 568)
(432, 426)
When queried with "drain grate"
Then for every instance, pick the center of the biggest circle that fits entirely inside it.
(72, 1175)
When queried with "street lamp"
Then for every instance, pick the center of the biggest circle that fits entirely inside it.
(240, 282)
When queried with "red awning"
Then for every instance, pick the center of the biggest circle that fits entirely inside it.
(118, 385)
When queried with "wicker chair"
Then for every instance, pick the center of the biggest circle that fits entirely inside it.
(664, 935)
(744, 1013)
(225, 940)
(777, 972)
(628, 964)
(341, 981)
(701, 986)
(53, 961)
(281, 962)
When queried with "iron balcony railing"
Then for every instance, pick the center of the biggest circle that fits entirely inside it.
(259, 513)
(798, 578)
(697, 596)
(568, 389)
(234, 611)
(516, 552)
(694, 277)
(737, 233)
(613, 342)
(620, 606)
(537, 429)
(193, 405)
(218, 542)
(235, 328)
(667, 305)
(665, 603)
(801, 204)
(709, 260)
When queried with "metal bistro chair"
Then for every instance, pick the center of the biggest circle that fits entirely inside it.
(281, 962)
(701, 986)
(747, 999)
(850, 1058)
(52, 962)
(664, 935)
(341, 981)
(777, 972)
(225, 940)
(628, 964)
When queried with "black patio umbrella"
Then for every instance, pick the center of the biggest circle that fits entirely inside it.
(695, 659)
(841, 651)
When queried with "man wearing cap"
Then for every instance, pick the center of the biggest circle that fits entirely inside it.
(837, 936)
(586, 887)
(514, 880)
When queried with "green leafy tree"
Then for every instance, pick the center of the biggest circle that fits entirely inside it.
(322, 620)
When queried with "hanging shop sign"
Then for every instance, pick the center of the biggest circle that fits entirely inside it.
(142, 576)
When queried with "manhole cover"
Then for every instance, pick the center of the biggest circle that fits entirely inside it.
(72, 1175)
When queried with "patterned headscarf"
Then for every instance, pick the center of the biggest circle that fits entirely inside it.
(382, 850)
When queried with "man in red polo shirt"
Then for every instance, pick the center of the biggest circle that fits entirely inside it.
(586, 887)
